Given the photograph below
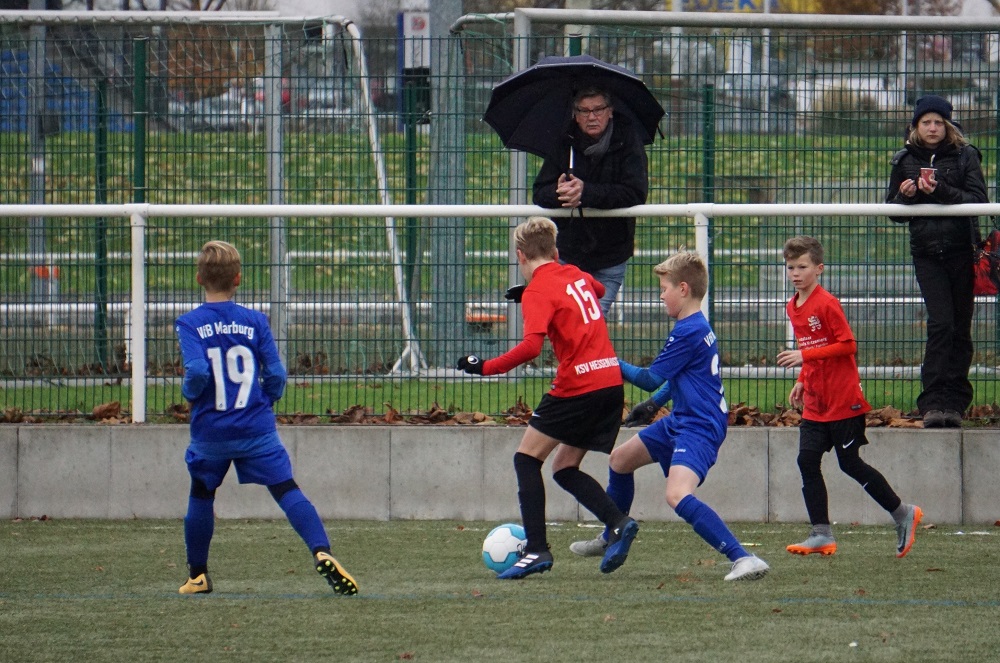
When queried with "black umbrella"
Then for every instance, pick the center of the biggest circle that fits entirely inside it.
(530, 110)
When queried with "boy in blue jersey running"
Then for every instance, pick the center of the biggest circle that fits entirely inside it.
(232, 377)
(686, 442)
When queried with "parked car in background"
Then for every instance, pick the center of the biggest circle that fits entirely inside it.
(259, 94)
(233, 110)
(323, 104)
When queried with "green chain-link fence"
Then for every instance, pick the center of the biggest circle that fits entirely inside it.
(269, 111)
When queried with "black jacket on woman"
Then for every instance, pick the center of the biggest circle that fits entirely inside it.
(942, 250)
(618, 179)
(960, 180)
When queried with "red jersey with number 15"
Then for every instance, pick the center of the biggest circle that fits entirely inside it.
(561, 301)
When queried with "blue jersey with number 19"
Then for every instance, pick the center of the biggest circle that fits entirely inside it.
(232, 373)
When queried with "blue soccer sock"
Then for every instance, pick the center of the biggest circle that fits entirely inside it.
(621, 490)
(305, 521)
(709, 526)
(199, 526)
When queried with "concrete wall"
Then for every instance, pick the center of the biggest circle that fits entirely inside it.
(465, 473)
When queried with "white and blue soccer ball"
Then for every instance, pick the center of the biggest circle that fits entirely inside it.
(502, 547)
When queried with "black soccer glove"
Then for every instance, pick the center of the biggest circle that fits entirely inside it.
(514, 293)
(471, 364)
(642, 414)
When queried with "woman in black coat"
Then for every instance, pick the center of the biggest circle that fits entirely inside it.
(942, 249)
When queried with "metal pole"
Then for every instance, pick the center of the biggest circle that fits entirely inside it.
(708, 156)
(101, 226)
(138, 304)
(139, 115)
(518, 176)
(410, 139)
(575, 44)
(137, 318)
(274, 146)
(703, 247)
(39, 271)
(765, 75)
(446, 184)
(575, 31)
(996, 154)
(996, 193)
(708, 143)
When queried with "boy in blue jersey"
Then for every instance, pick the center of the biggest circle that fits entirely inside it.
(686, 442)
(232, 377)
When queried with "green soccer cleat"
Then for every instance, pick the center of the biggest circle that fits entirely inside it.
(340, 580)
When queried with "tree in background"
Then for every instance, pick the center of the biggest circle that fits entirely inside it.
(383, 12)
(157, 5)
(893, 7)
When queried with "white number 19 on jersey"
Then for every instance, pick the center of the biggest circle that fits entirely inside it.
(240, 369)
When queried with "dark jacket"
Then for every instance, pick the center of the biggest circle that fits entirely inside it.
(960, 180)
(618, 179)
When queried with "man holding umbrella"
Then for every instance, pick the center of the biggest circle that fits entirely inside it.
(599, 162)
(589, 120)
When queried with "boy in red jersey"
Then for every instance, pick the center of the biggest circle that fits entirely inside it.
(583, 410)
(833, 408)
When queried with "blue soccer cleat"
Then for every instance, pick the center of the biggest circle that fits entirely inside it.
(619, 541)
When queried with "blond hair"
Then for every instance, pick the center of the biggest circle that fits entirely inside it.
(218, 266)
(536, 238)
(796, 247)
(686, 267)
(952, 135)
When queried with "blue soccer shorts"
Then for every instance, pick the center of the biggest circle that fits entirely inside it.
(670, 446)
(266, 468)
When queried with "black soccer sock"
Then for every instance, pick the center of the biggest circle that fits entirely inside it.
(870, 479)
(813, 487)
(590, 494)
(196, 571)
(531, 496)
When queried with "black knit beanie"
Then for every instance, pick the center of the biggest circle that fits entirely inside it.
(931, 104)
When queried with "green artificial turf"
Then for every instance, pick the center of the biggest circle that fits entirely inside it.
(95, 590)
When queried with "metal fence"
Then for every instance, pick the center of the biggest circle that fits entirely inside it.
(249, 110)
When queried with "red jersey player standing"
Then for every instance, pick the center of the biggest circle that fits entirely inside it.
(833, 407)
(583, 410)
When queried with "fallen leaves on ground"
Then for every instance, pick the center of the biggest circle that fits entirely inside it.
(742, 414)
(110, 413)
(518, 414)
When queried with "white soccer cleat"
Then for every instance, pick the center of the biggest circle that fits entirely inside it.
(750, 567)
(590, 547)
